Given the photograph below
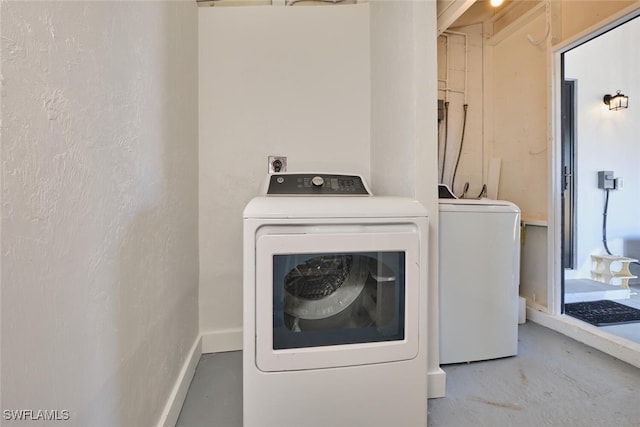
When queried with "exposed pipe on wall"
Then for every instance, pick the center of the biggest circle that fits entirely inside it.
(291, 2)
(447, 89)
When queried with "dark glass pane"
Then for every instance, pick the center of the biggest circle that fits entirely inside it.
(339, 298)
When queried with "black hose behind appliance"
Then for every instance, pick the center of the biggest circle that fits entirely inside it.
(446, 136)
(464, 126)
(604, 221)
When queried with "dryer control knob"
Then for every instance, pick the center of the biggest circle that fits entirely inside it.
(317, 181)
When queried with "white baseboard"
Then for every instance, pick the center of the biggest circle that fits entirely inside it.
(620, 348)
(231, 340)
(221, 341)
(522, 310)
(436, 384)
(172, 408)
(212, 342)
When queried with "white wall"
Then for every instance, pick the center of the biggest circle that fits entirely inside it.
(99, 207)
(606, 140)
(345, 88)
(290, 81)
(516, 117)
(393, 116)
(517, 114)
(403, 131)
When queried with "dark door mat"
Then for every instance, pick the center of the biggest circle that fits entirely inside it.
(602, 313)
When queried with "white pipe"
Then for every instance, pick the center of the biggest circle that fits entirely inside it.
(291, 2)
(446, 66)
(466, 59)
(451, 90)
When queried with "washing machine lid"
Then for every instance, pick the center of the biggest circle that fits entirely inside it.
(477, 205)
(282, 207)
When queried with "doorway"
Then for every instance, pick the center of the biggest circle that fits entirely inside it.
(599, 219)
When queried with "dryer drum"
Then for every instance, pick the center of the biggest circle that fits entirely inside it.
(318, 277)
(324, 286)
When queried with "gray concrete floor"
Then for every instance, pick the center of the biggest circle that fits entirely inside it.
(554, 381)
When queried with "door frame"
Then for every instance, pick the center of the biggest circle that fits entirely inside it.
(569, 177)
(555, 271)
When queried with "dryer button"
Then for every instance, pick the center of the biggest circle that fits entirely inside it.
(317, 181)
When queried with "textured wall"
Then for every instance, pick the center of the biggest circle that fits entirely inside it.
(99, 206)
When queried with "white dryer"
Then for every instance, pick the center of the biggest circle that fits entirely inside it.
(335, 305)
(479, 269)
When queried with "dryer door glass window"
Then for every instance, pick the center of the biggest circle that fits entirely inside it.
(328, 296)
(323, 299)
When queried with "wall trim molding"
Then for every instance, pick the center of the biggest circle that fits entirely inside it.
(172, 408)
(436, 384)
(221, 341)
(210, 342)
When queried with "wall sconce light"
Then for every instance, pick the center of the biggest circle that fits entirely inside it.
(617, 101)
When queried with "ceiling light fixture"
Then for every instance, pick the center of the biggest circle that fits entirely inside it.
(617, 101)
(496, 3)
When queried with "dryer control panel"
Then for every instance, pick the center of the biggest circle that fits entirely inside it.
(309, 184)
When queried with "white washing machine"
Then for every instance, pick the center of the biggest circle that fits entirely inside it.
(335, 305)
(479, 269)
